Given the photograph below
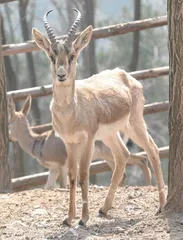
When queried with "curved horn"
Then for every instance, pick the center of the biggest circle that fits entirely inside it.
(49, 31)
(73, 28)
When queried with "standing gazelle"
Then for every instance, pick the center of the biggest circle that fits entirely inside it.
(95, 108)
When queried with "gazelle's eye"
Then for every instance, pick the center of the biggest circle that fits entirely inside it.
(52, 59)
(71, 58)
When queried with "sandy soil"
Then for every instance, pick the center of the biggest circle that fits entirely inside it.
(38, 214)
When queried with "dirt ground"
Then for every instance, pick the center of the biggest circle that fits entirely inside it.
(38, 214)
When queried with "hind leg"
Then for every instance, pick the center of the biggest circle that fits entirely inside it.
(121, 154)
(63, 176)
(102, 151)
(143, 164)
(138, 133)
(52, 177)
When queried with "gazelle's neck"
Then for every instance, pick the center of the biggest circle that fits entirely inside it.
(63, 95)
(27, 139)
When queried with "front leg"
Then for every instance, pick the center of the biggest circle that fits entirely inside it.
(72, 161)
(84, 165)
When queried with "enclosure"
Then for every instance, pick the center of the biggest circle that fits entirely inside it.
(137, 56)
(131, 35)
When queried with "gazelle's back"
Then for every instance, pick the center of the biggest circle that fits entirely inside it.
(96, 96)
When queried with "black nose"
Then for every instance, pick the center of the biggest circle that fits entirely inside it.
(61, 78)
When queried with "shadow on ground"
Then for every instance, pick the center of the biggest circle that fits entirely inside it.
(110, 226)
(175, 222)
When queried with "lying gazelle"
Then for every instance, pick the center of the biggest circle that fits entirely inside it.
(95, 108)
(49, 149)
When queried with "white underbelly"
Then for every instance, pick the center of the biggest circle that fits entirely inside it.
(106, 130)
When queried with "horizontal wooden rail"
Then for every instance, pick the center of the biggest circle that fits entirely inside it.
(46, 90)
(34, 180)
(163, 151)
(35, 92)
(102, 32)
(150, 73)
(6, 1)
(42, 128)
(156, 107)
(23, 183)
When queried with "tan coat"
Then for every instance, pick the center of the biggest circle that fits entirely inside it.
(96, 108)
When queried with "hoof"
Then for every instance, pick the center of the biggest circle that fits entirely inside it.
(82, 223)
(158, 212)
(101, 213)
(66, 222)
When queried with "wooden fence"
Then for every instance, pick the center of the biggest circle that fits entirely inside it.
(40, 91)
(104, 32)
(34, 180)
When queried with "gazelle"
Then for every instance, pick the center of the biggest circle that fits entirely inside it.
(95, 108)
(49, 149)
(40, 146)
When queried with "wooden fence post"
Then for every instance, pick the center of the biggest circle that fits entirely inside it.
(5, 174)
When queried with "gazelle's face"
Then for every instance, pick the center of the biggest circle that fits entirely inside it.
(63, 62)
(12, 127)
(17, 121)
(16, 125)
(63, 54)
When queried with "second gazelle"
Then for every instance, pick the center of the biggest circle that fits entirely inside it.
(94, 108)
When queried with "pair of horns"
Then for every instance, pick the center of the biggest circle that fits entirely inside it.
(69, 38)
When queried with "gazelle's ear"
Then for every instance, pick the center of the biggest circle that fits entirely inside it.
(41, 40)
(27, 105)
(11, 107)
(82, 40)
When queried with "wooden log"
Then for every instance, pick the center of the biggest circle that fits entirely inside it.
(156, 107)
(150, 73)
(133, 26)
(102, 32)
(35, 92)
(34, 180)
(46, 90)
(42, 128)
(23, 183)
(39, 179)
(6, 1)
(163, 151)
(98, 167)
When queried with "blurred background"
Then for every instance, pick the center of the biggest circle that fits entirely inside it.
(146, 49)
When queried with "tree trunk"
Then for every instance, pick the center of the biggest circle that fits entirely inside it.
(17, 169)
(10, 74)
(8, 13)
(135, 51)
(5, 173)
(136, 37)
(30, 64)
(175, 177)
(70, 13)
(88, 54)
